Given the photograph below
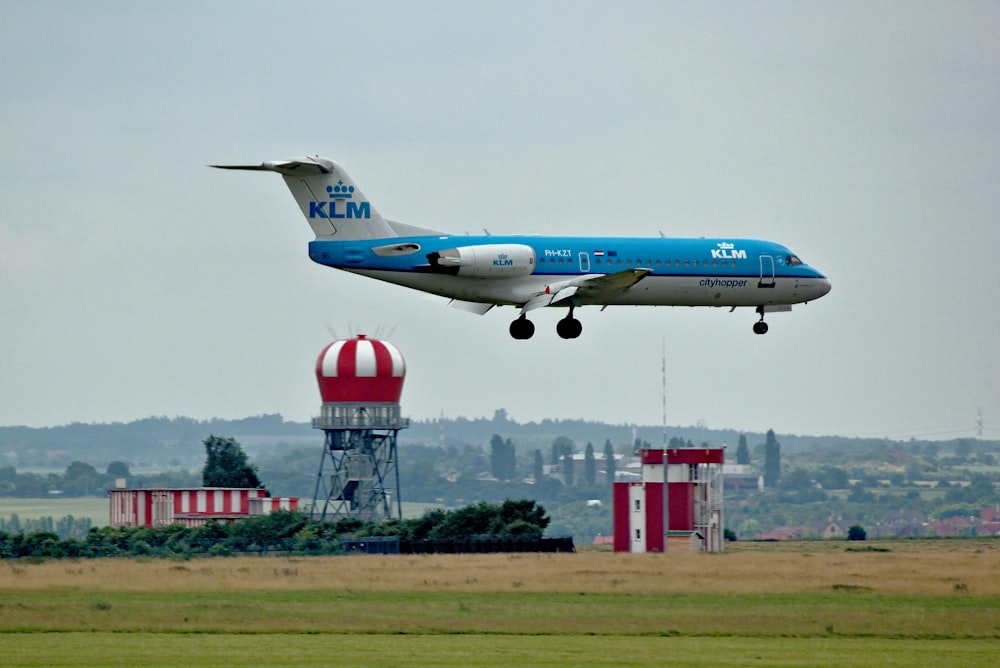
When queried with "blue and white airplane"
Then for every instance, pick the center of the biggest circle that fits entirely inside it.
(529, 272)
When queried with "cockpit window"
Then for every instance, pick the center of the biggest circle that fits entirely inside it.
(793, 261)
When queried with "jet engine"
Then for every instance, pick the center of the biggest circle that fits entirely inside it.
(485, 261)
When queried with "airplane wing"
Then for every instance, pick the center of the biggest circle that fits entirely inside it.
(478, 308)
(591, 289)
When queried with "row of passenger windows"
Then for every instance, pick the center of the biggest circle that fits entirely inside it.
(639, 263)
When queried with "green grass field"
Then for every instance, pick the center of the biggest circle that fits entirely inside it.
(932, 602)
(97, 508)
(377, 649)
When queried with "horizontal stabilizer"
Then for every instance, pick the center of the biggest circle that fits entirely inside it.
(303, 166)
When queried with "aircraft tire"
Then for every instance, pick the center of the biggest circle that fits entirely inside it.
(522, 329)
(569, 328)
(760, 327)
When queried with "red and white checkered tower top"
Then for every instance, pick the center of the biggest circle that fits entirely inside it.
(360, 371)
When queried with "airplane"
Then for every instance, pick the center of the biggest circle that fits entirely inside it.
(478, 272)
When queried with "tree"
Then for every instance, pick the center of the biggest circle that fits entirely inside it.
(857, 532)
(772, 460)
(80, 469)
(609, 461)
(560, 447)
(503, 460)
(797, 479)
(226, 465)
(832, 477)
(539, 470)
(118, 469)
(589, 466)
(81, 478)
(742, 451)
(569, 475)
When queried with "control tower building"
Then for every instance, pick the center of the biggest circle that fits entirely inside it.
(360, 381)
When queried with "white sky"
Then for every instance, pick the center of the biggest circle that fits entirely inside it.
(134, 281)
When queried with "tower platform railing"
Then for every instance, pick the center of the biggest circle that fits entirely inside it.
(360, 416)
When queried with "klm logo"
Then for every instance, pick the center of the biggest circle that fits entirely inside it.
(341, 204)
(727, 251)
(503, 260)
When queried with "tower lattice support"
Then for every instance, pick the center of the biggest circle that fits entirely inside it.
(358, 476)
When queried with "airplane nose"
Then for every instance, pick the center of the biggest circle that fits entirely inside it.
(823, 286)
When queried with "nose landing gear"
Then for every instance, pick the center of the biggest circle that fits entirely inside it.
(760, 327)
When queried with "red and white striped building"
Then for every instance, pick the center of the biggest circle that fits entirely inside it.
(677, 502)
(191, 507)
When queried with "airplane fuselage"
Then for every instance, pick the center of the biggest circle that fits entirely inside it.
(681, 272)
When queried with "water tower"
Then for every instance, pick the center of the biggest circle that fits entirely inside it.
(360, 381)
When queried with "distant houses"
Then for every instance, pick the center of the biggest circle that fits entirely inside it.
(896, 524)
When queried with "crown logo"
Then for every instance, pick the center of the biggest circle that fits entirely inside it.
(726, 246)
(340, 191)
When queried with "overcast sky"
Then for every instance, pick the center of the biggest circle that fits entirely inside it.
(135, 281)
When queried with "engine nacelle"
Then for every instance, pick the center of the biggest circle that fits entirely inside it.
(485, 261)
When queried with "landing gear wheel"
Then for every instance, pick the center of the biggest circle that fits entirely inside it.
(522, 328)
(760, 327)
(569, 327)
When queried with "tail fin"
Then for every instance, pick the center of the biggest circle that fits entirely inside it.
(334, 206)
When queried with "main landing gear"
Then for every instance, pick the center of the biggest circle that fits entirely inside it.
(567, 328)
(760, 327)
(522, 328)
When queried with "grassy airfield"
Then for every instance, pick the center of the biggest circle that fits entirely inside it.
(804, 604)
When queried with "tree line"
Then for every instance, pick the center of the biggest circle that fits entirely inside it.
(282, 531)
(65, 527)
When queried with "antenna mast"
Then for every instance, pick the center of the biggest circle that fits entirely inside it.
(663, 370)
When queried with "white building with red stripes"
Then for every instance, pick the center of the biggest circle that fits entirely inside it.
(677, 502)
(191, 507)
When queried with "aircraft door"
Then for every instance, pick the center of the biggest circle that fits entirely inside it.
(585, 263)
(766, 272)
